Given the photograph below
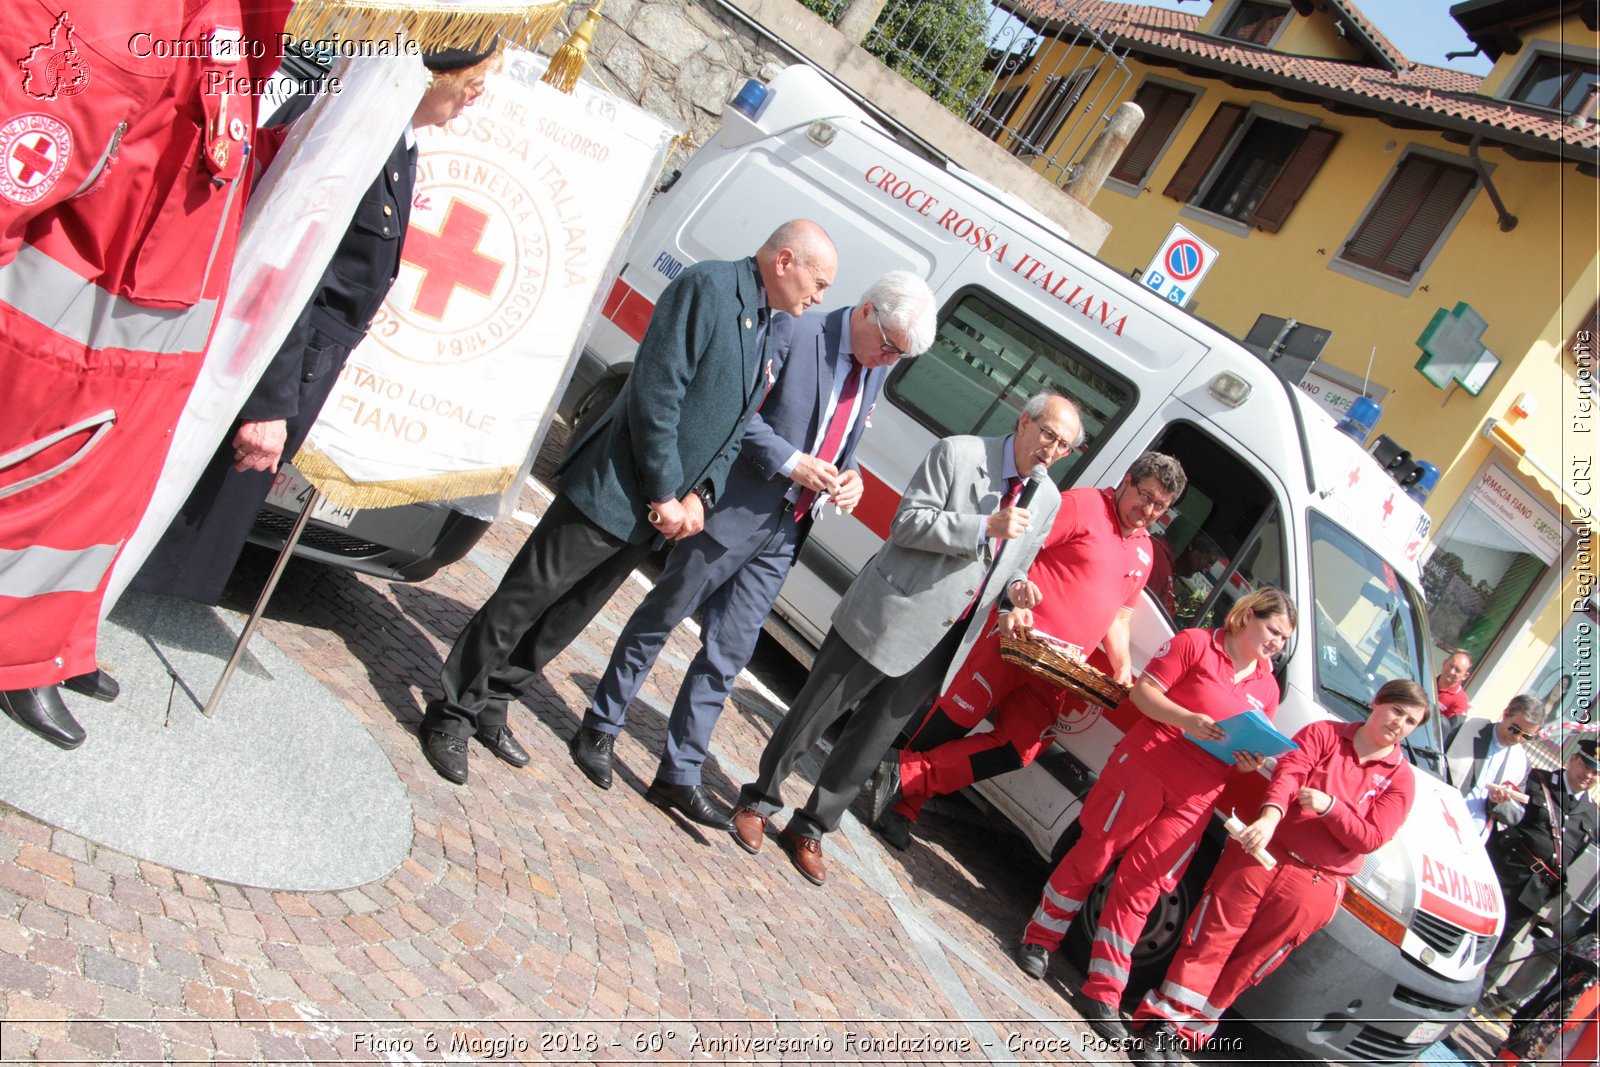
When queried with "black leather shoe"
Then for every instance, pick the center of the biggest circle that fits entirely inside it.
(43, 711)
(692, 801)
(1033, 959)
(1102, 1018)
(96, 683)
(448, 755)
(498, 739)
(894, 828)
(591, 751)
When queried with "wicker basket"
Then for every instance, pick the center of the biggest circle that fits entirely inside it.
(1053, 663)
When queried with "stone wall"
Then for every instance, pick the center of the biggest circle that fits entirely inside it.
(680, 59)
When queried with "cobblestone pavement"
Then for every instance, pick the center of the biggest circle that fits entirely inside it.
(536, 918)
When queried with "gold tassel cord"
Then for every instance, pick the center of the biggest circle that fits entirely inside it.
(567, 64)
(432, 24)
(344, 492)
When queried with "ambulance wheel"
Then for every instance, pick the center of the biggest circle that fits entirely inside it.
(594, 405)
(1162, 931)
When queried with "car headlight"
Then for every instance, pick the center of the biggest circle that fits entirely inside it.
(1383, 894)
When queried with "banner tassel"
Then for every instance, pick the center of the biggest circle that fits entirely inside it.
(567, 64)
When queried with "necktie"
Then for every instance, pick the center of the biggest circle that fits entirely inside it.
(1013, 491)
(833, 440)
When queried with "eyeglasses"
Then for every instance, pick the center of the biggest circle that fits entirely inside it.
(888, 346)
(1052, 439)
(1157, 501)
(1517, 731)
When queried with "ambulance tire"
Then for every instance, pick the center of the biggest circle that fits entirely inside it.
(1163, 930)
(596, 404)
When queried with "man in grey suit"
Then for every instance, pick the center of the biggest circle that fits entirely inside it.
(960, 538)
(1487, 762)
(798, 452)
(647, 470)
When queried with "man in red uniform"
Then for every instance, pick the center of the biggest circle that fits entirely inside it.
(1081, 590)
(1341, 794)
(124, 143)
(1452, 676)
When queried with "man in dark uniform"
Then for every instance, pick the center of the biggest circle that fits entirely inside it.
(647, 470)
(1532, 857)
(201, 546)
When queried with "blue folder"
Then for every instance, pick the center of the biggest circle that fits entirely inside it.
(1247, 732)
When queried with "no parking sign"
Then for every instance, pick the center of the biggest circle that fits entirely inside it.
(1178, 266)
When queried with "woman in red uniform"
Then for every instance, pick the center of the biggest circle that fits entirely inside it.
(1341, 794)
(1151, 802)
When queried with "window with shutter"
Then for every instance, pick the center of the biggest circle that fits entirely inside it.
(1050, 113)
(1198, 162)
(1292, 181)
(1410, 216)
(1164, 107)
(1556, 82)
(1254, 23)
(996, 114)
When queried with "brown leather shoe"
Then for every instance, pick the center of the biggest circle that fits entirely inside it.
(749, 828)
(807, 855)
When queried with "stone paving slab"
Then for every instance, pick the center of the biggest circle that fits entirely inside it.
(280, 788)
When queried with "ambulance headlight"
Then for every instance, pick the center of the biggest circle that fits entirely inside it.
(1387, 880)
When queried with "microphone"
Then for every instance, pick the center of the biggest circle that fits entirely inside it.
(1039, 474)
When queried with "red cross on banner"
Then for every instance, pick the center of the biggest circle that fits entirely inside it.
(450, 259)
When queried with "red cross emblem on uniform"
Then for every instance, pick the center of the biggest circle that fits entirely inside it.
(450, 259)
(34, 151)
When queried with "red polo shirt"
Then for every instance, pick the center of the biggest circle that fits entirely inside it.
(1452, 702)
(1087, 570)
(1196, 672)
(1370, 800)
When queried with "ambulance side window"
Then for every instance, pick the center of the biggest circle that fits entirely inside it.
(1223, 539)
(984, 364)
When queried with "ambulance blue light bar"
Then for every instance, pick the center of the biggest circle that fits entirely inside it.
(751, 98)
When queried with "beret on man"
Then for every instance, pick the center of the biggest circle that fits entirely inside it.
(445, 60)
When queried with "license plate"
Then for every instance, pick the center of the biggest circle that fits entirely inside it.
(290, 492)
(1425, 1033)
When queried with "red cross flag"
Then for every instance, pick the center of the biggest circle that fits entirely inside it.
(519, 208)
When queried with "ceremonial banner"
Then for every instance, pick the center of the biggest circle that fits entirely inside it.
(521, 206)
(298, 212)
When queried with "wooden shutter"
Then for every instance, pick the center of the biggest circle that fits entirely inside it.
(1410, 216)
(1164, 108)
(1291, 182)
(1198, 162)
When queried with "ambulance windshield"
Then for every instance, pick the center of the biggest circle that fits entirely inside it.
(1369, 628)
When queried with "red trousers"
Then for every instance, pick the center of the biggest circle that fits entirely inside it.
(1028, 707)
(1149, 810)
(1247, 921)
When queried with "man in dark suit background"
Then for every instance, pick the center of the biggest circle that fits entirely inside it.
(798, 452)
(959, 539)
(199, 549)
(1532, 858)
(648, 469)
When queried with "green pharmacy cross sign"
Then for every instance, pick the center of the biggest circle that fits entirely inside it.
(1453, 350)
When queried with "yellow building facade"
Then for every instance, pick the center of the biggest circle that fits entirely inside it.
(1342, 186)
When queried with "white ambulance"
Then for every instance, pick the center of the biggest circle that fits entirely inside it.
(1277, 495)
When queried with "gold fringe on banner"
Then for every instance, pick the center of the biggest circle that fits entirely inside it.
(433, 24)
(342, 492)
(567, 64)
